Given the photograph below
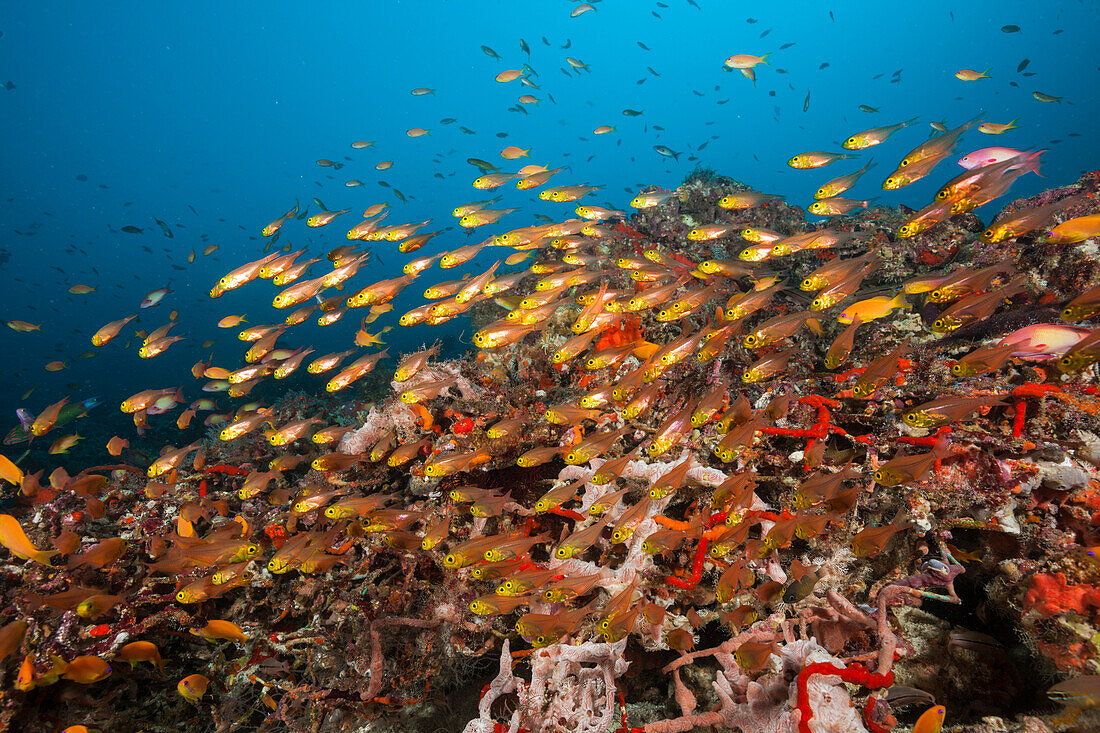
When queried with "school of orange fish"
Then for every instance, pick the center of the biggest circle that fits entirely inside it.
(655, 435)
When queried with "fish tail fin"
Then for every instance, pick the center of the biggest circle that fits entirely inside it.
(764, 57)
(59, 666)
(1033, 162)
(900, 301)
(986, 72)
(1012, 125)
(644, 349)
(815, 325)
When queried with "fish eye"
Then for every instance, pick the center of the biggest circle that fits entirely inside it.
(938, 323)
(903, 163)
(988, 233)
(957, 368)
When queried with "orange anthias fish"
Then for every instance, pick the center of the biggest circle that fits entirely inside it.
(217, 629)
(193, 687)
(745, 60)
(1075, 230)
(87, 669)
(141, 651)
(15, 539)
(931, 720)
(11, 638)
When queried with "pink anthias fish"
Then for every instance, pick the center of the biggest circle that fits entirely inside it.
(985, 156)
(1043, 341)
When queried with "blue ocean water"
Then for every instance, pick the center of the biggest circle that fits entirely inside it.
(210, 117)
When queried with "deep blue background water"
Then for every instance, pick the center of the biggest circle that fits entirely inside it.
(224, 107)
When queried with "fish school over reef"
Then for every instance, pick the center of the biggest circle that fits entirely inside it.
(712, 461)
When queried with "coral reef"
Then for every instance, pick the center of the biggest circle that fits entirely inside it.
(691, 520)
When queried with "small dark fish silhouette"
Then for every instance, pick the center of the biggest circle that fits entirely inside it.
(164, 228)
(130, 229)
(1010, 28)
(1022, 65)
